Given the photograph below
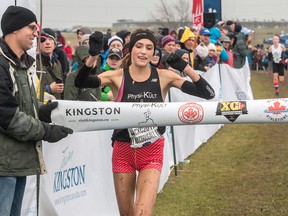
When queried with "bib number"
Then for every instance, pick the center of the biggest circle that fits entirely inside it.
(143, 136)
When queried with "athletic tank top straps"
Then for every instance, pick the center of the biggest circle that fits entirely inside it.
(146, 91)
(135, 92)
(277, 54)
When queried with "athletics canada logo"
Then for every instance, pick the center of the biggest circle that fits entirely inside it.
(191, 113)
(277, 110)
(231, 109)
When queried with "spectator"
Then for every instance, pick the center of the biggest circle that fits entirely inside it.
(60, 38)
(107, 36)
(68, 50)
(240, 50)
(173, 33)
(210, 59)
(231, 26)
(168, 47)
(60, 53)
(71, 92)
(215, 35)
(201, 53)
(177, 44)
(204, 36)
(113, 62)
(21, 130)
(168, 44)
(184, 54)
(81, 31)
(124, 35)
(156, 59)
(85, 40)
(113, 42)
(225, 40)
(51, 81)
(187, 42)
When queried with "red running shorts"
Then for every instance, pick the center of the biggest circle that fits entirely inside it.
(127, 160)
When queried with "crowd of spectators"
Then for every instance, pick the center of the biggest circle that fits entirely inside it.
(225, 43)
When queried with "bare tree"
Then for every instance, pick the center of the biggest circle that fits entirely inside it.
(172, 15)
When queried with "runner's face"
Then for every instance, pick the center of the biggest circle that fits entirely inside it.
(275, 39)
(142, 52)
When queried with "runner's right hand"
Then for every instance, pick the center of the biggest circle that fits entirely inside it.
(96, 43)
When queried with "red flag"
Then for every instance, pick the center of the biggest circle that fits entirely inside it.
(197, 13)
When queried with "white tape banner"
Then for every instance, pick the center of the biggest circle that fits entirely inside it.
(91, 116)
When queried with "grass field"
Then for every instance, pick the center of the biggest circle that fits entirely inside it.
(242, 170)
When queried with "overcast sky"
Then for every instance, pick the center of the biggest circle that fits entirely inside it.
(66, 13)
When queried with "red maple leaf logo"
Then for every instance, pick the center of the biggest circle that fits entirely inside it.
(276, 108)
(190, 113)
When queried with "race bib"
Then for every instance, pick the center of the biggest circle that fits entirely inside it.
(277, 57)
(143, 136)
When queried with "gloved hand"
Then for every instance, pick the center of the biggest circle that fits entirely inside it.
(45, 111)
(176, 62)
(96, 41)
(54, 133)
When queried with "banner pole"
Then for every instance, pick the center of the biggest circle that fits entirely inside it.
(41, 99)
(173, 142)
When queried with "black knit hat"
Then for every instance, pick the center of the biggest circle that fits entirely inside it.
(48, 32)
(229, 22)
(123, 34)
(238, 27)
(15, 18)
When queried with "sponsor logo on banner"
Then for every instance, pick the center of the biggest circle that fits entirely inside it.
(69, 179)
(231, 109)
(93, 111)
(277, 109)
(89, 114)
(148, 105)
(148, 119)
(191, 113)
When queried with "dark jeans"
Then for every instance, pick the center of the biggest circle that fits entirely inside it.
(11, 195)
